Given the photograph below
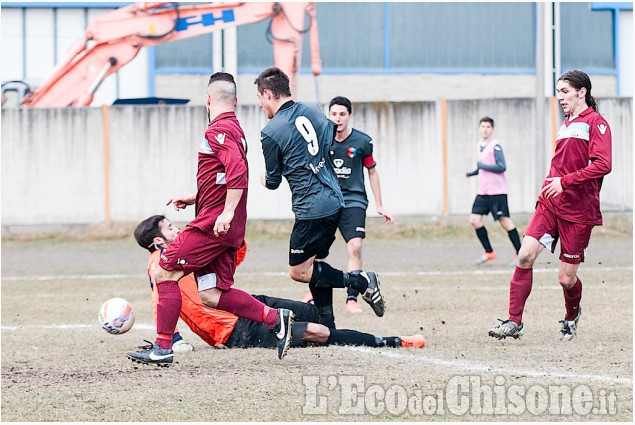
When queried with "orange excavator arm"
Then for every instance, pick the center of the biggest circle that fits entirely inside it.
(115, 38)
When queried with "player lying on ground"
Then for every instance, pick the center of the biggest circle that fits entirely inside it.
(207, 246)
(220, 328)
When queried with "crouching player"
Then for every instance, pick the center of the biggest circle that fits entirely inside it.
(221, 328)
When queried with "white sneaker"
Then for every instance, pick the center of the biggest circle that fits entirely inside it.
(506, 328)
(569, 328)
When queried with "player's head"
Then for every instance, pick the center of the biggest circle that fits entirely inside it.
(272, 84)
(221, 91)
(155, 232)
(488, 120)
(486, 127)
(573, 90)
(340, 112)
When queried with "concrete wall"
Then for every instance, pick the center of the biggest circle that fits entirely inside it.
(54, 170)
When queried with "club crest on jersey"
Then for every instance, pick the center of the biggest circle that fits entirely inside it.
(220, 138)
(602, 128)
(352, 152)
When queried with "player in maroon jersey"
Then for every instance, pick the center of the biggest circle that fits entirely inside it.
(568, 205)
(209, 243)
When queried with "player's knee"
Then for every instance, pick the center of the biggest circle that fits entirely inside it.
(161, 275)
(317, 333)
(567, 281)
(526, 258)
(299, 273)
(476, 221)
(210, 297)
(355, 248)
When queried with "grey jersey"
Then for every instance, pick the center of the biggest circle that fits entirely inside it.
(350, 156)
(296, 144)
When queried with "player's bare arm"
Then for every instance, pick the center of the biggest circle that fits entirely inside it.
(223, 221)
(373, 177)
(182, 202)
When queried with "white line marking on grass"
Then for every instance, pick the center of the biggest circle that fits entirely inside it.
(475, 367)
(143, 326)
(72, 277)
(415, 273)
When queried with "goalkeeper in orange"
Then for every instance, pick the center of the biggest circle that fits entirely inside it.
(221, 328)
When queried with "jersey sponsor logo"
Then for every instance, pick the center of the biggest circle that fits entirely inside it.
(318, 168)
(204, 19)
(352, 152)
(576, 130)
(297, 251)
(221, 178)
(602, 128)
(343, 173)
(220, 138)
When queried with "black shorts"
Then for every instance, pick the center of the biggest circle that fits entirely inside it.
(312, 237)
(353, 223)
(248, 333)
(496, 204)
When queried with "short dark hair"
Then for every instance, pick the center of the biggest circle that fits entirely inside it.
(274, 79)
(579, 79)
(487, 119)
(147, 230)
(221, 76)
(341, 100)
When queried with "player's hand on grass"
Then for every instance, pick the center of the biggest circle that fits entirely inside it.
(554, 188)
(182, 201)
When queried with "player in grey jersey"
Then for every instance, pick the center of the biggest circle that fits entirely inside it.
(296, 144)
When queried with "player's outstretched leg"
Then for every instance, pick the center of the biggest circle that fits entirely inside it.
(152, 354)
(372, 295)
(569, 328)
(506, 328)
(282, 330)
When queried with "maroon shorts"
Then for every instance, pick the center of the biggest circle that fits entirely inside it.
(546, 227)
(194, 251)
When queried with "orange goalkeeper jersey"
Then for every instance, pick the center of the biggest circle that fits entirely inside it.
(212, 325)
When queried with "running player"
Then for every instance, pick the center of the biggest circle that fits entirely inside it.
(208, 245)
(220, 328)
(296, 143)
(568, 205)
(492, 192)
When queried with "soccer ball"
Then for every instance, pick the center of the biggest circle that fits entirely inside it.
(116, 316)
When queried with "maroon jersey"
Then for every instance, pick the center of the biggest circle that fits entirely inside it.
(582, 159)
(222, 165)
